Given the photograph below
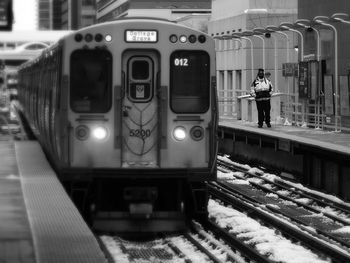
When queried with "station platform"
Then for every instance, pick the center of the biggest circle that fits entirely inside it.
(313, 157)
(38, 221)
(323, 140)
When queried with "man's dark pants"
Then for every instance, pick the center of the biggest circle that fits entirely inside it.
(264, 108)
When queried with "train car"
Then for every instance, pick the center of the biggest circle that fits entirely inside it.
(126, 112)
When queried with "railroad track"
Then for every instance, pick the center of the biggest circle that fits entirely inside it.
(202, 243)
(327, 226)
(316, 202)
(245, 251)
(315, 240)
(186, 248)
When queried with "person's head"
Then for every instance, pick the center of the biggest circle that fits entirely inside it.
(261, 73)
(268, 75)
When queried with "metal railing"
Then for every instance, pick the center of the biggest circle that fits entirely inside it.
(291, 112)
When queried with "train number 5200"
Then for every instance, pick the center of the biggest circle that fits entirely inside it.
(140, 133)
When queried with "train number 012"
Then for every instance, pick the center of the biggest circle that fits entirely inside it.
(182, 62)
(140, 133)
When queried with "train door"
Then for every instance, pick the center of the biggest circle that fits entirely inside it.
(139, 109)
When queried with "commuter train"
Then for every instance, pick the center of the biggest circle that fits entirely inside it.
(126, 112)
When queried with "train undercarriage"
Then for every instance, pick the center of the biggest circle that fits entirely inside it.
(150, 204)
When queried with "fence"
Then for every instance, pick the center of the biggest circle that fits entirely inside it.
(285, 109)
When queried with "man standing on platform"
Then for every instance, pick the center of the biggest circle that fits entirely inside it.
(261, 90)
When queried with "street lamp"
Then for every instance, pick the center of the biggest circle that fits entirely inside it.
(241, 35)
(267, 34)
(323, 21)
(307, 24)
(257, 33)
(341, 17)
(292, 27)
(275, 29)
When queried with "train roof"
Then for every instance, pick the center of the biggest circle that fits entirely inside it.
(141, 20)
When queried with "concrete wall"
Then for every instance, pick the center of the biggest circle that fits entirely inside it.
(228, 8)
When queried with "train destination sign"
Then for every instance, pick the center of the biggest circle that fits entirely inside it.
(141, 36)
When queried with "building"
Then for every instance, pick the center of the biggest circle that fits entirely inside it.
(193, 13)
(73, 14)
(238, 60)
(334, 100)
(45, 14)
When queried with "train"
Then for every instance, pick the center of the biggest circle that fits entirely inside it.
(126, 112)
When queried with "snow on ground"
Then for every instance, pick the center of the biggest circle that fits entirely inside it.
(272, 195)
(256, 180)
(255, 171)
(188, 249)
(345, 230)
(283, 192)
(225, 176)
(227, 160)
(276, 178)
(265, 240)
(305, 201)
(327, 196)
(230, 177)
(270, 177)
(115, 250)
(216, 251)
(239, 181)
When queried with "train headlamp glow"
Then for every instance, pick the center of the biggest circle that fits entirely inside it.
(99, 133)
(179, 133)
(108, 38)
(183, 39)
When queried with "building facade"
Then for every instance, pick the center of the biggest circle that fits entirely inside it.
(335, 100)
(45, 14)
(193, 13)
(73, 14)
(239, 58)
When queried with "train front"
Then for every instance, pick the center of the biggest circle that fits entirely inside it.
(141, 123)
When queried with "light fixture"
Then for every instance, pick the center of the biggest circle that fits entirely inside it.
(183, 39)
(99, 133)
(179, 133)
(108, 38)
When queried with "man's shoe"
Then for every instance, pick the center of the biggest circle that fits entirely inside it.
(260, 126)
(268, 125)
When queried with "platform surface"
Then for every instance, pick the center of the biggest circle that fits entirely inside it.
(15, 235)
(59, 232)
(325, 140)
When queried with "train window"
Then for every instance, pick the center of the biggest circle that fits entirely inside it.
(90, 81)
(189, 81)
(140, 69)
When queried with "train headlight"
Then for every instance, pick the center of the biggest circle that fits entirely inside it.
(197, 133)
(108, 38)
(183, 39)
(82, 132)
(99, 133)
(179, 133)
